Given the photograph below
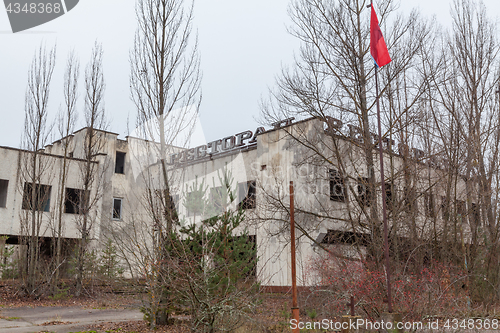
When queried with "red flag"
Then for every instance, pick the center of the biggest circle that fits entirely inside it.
(378, 48)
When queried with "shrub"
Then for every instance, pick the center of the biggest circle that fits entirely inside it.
(435, 290)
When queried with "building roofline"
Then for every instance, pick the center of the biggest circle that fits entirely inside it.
(152, 141)
(45, 154)
(95, 129)
(59, 140)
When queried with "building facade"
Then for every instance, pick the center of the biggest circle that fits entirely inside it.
(334, 203)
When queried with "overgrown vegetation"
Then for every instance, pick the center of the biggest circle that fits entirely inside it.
(210, 265)
(215, 268)
(437, 289)
(101, 265)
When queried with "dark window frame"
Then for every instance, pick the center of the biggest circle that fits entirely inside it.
(120, 162)
(365, 195)
(74, 201)
(41, 192)
(390, 196)
(117, 215)
(336, 181)
(4, 190)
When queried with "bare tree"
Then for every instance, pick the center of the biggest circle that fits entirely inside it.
(36, 133)
(332, 80)
(91, 172)
(165, 74)
(66, 120)
(165, 78)
(465, 80)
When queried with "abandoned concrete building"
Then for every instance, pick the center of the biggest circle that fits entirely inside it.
(330, 178)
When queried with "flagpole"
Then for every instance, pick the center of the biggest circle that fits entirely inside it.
(384, 194)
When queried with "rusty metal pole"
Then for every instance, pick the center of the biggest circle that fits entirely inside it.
(352, 306)
(295, 307)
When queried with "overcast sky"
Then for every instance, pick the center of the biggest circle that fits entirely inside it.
(243, 45)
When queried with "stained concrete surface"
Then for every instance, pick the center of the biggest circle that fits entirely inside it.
(31, 319)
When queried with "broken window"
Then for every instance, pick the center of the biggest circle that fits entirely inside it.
(74, 202)
(337, 187)
(4, 184)
(117, 209)
(345, 237)
(246, 195)
(364, 193)
(37, 197)
(120, 162)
